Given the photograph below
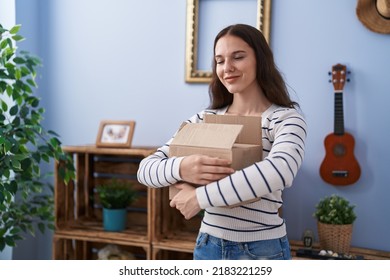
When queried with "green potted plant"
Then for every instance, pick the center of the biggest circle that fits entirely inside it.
(26, 196)
(335, 217)
(114, 197)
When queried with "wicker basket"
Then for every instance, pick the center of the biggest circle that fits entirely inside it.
(335, 237)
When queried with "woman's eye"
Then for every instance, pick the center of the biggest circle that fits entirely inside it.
(219, 61)
(238, 57)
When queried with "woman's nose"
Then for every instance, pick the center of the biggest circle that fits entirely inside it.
(228, 67)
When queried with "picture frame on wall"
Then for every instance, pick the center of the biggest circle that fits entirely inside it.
(199, 45)
(115, 134)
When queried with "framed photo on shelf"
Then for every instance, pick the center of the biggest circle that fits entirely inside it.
(115, 134)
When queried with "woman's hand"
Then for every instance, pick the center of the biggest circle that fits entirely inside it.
(185, 200)
(202, 170)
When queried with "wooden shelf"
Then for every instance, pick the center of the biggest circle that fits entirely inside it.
(95, 230)
(142, 151)
(178, 245)
(164, 249)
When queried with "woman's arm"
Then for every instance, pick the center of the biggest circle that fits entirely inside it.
(158, 170)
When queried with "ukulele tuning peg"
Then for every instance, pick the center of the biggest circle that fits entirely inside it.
(348, 72)
(329, 73)
(329, 81)
(348, 80)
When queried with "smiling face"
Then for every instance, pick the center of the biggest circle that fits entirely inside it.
(235, 64)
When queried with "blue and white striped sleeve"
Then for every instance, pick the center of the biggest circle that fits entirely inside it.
(159, 170)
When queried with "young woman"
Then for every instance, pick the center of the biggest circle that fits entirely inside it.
(245, 82)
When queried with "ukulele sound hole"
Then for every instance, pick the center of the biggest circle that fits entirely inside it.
(339, 150)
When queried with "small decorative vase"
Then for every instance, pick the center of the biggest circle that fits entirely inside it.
(335, 237)
(114, 219)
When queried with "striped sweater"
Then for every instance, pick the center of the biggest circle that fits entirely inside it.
(283, 140)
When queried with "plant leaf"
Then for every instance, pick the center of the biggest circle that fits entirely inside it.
(15, 29)
(14, 110)
(18, 38)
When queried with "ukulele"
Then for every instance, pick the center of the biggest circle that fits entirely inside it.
(339, 166)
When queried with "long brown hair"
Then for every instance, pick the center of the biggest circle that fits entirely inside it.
(268, 76)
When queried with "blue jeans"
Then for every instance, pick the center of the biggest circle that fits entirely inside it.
(212, 248)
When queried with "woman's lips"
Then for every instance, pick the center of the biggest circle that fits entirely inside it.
(231, 79)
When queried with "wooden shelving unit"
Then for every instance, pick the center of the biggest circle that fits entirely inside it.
(154, 229)
(79, 230)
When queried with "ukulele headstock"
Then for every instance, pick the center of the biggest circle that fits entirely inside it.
(339, 76)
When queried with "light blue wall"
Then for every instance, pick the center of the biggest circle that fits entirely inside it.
(125, 60)
(308, 38)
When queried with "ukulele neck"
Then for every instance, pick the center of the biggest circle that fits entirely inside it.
(338, 113)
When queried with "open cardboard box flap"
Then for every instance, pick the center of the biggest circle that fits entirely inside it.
(251, 131)
(207, 135)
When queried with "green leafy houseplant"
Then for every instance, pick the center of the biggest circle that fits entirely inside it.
(26, 196)
(116, 194)
(335, 210)
(335, 217)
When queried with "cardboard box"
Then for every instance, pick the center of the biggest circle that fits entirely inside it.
(236, 138)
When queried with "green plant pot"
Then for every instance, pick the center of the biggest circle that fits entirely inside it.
(114, 219)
